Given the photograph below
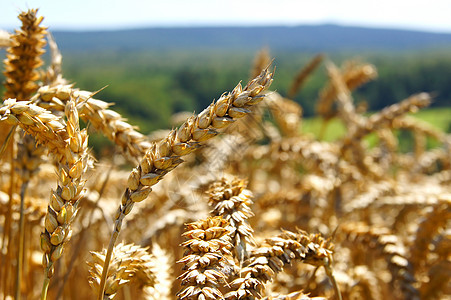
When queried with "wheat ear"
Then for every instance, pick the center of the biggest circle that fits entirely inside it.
(427, 229)
(38, 122)
(161, 266)
(390, 248)
(129, 262)
(110, 123)
(231, 200)
(386, 117)
(45, 127)
(353, 76)
(208, 242)
(23, 57)
(345, 102)
(63, 205)
(164, 156)
(268, 260)
(303, 74)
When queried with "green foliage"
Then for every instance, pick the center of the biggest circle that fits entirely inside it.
(334, 129)
(148, 87)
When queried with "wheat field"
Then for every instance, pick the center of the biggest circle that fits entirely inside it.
(229, 204)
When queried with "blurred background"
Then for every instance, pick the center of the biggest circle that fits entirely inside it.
(162, 57)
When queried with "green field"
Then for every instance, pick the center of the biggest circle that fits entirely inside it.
(335, 129)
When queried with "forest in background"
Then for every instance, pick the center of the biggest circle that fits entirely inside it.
(150, 74)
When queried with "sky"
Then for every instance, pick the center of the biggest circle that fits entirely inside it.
(425, 15)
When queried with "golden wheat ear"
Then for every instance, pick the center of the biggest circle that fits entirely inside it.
(129, 263)
(232, 201)
(161, 266)
(24, 57)
(45, 127)
(208, 242)
(303, 75)
(431, 224)
(353, 76)
(268, 260)
(64, 201)
(382, 244)
(107, 121)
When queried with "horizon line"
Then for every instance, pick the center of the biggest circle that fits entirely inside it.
(126, 27)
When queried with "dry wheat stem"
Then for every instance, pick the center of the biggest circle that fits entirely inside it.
(21, 239)
(164, 156)
(29, 160)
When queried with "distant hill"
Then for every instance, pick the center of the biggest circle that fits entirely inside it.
(298, 38)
